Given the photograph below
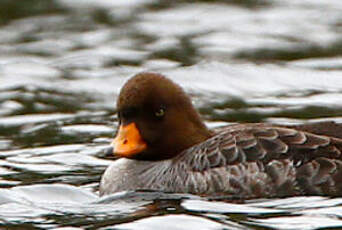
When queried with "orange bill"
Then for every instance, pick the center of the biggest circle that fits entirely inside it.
(128, 141)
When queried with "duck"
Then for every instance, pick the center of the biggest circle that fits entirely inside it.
(162, 144)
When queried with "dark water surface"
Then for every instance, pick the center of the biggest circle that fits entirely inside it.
(63, 62)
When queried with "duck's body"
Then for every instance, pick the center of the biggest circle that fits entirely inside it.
(244, 160)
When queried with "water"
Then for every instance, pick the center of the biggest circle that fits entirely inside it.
(62, 64)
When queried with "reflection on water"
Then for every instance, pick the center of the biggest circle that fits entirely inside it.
(62, 64)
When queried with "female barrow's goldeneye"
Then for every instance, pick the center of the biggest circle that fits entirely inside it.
(164, 145)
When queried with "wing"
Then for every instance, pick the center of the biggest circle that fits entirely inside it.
(263, 143)
(259, 159)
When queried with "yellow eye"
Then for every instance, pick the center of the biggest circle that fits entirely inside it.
(160, 112)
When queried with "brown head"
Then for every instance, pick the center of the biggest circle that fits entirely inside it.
(156, 119)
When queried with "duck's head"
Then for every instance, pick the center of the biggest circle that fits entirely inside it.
(156, 119)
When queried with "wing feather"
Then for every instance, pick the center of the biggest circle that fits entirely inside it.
(258, 160)
(264, 143)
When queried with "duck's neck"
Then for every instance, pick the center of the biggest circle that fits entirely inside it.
(195, 132)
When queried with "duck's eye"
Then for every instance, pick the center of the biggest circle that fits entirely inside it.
(160, 112)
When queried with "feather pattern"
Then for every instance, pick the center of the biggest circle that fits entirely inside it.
(258, 160)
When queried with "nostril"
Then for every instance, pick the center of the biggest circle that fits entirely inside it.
(125, 141)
